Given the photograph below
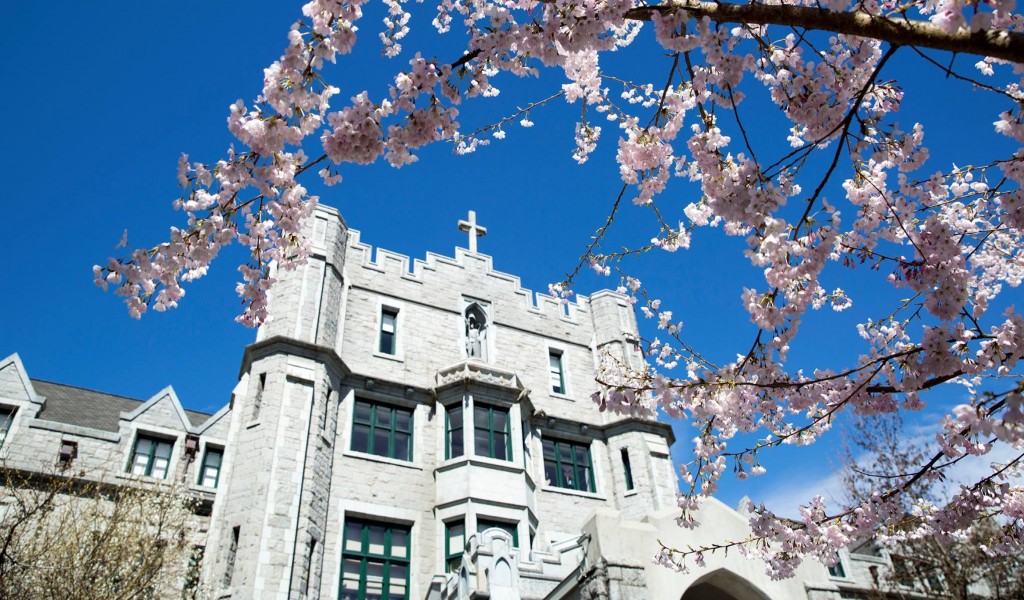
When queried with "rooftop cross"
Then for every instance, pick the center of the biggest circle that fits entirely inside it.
(473, 229)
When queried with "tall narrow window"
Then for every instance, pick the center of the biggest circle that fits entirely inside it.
(510, 528)
(454, 544)
(209, 472)
(151, 457)
(229, 561)
(382, 430)
(492, 432)
(388, 330)
(627, 469)
(6, 418)
(310, 565)
(568, 465)
(557, 372)
(190, 591)
(324, 411)
(257, 400)
(454, 444)
(375, 561)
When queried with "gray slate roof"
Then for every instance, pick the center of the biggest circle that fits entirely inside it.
(88, 408)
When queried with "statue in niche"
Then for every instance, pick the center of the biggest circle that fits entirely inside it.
(476, 333)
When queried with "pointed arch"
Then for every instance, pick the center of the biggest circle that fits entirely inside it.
(476, 331)
(723, 584)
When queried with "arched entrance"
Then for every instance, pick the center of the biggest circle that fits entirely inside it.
(723, 585)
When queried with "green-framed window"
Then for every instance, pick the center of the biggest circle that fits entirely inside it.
(454, 442)
(627, 469)
(375, 561)
(557, 372)
(382, 430)
(209, 471)
(568, 465)
(837, 569)
(151, 457)
(6, 419)
(388, 340)
(454, 544)
(510, 528)
(492, 432)
(190, 590)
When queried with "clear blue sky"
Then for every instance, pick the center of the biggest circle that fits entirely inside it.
(101, 98)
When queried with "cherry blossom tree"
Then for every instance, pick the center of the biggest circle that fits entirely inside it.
(880, 452)
(847, 184)
(64, 535)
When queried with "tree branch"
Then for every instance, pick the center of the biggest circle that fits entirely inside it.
(1004, 45)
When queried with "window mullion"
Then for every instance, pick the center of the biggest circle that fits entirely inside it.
(508, 436)
(490, 432)
(373, 426)
(152, 458)
(392, 423)
(559, 477)
(386, 571)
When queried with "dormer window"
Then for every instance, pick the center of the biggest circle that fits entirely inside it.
(151, 457)
(6, 419)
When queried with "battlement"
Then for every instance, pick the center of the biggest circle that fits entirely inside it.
(438, 269)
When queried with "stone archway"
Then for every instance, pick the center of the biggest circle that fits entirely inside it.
(723, 585)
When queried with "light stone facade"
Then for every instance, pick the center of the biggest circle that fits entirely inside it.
(358, 332)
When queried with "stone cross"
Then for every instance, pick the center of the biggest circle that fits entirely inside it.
(473, 229)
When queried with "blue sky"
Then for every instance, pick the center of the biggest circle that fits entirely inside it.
(101, 98)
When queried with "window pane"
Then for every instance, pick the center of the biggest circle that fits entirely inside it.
(388, 322)
(376, 539)
(361, 438)
(398, 581)
(143, 446)
(380, 442)
(160, 468)
(374, 579)
(456, 538)
(140, 464)
(403, 420)
(403, 446)
(353, 536)
(582, 479)
(387, 343)
(482, 439)
(549, 450)
(363, 410)
(551, 473)
(163, 450)
(582, 456)
(350, 578)
(213, 458)
(209, 477)
(455, 443)
(500, 445)
(399, 543)
(383, 416)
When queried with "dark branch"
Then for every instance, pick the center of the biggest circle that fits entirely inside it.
(1004, 45)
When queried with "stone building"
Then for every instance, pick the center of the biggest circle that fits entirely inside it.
(413, 430)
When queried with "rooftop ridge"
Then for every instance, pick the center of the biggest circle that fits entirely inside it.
(121, 396)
